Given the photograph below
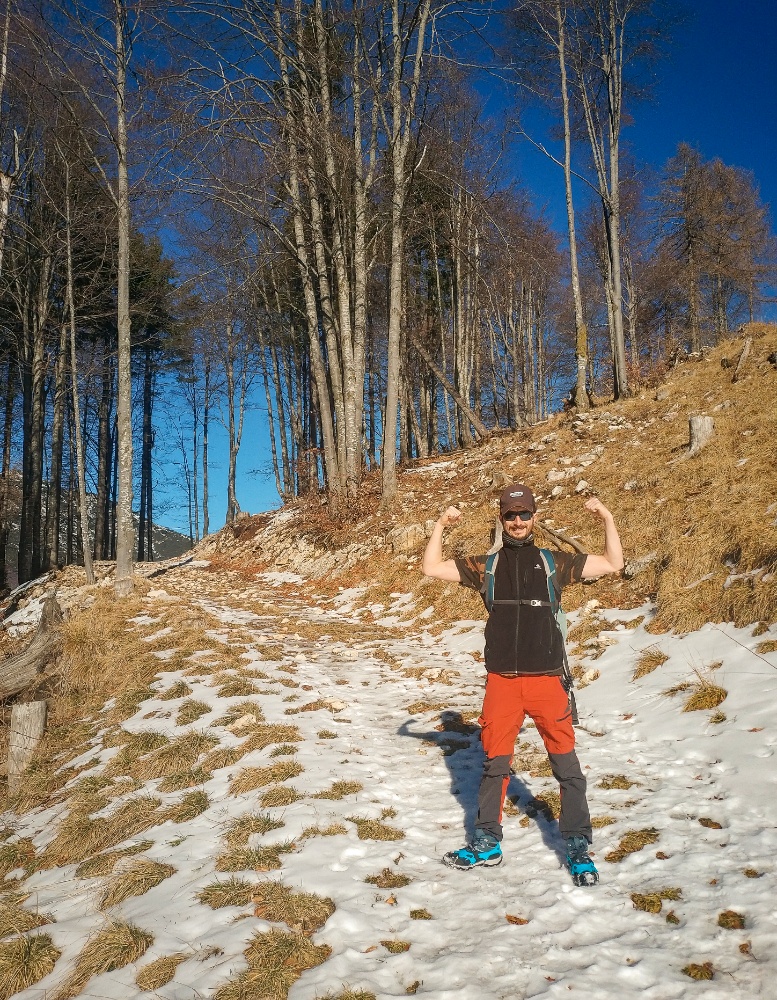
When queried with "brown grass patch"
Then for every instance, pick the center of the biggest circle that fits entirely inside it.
(16, 919)
(395, 946)
(24, 962)
(699, 972)
(103, 864)
(252, 778)
(233, 892)
(180, 754)
(190, 711)
(373, 829)
(421, 914)
(17, 854)
(190, 806)
(731, 920)
(340, 790)
(752, 873)
(653, 902)
(158, 973)
(303, 912)
(648, 661)
(547, 804)
(597, 822)
(631, 842)
(587, 628)
(79, 837)
(333, 830)
(245, 826)
(259, 859)
(278, 796)
(284, 750)
(388, 879)
(706, 695)
(185, 779)
(135, 880)
(117, 945)
(276, 960)
(616, 781)
(178, 690)
(237, 687)
(768, 646)
(310, 706)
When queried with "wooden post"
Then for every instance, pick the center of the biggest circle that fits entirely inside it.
(28, 724)
(700, 430)
(743, 359)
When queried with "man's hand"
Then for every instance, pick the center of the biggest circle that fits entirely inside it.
(597, 508)
(450, 517)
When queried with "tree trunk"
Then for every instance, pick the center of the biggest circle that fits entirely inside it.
(28, 724)
(125, 531)
(19, 671)
(54, 505)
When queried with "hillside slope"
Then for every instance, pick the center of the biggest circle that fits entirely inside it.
(254, 765)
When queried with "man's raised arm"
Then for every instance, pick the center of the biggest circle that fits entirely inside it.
(611, 561)
(433, 563)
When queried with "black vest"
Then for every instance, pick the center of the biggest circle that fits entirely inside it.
(521, 637)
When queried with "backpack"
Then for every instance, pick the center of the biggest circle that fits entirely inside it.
(553, 602)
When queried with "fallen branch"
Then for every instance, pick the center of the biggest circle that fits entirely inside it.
(565, 539)
(19, 671)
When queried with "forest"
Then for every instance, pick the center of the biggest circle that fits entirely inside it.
(309, 201)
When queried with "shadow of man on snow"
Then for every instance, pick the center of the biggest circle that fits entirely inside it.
(463, 754)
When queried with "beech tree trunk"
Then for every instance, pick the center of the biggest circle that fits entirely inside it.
(28, 724)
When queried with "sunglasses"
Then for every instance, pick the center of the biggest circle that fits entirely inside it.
(525, 515)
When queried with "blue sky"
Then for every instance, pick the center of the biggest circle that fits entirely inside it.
(717, 91)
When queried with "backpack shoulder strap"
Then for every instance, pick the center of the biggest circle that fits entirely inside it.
(488, 579)
(550, 571)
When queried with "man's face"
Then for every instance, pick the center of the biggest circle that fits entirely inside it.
(515, 526)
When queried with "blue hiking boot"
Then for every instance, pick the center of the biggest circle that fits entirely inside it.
(581, 867)
(484, 850)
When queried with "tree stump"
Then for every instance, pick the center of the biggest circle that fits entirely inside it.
(743, 359)
(19, 671)
(28, 724)
(700, 430)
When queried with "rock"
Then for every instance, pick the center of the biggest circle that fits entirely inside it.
(661, 395)
(582, 486)
(556, 492)
(636, 566)
(242, 723)
(536, 446)
(725, 405)
(499, 479)
(630, 485)
(405, 539)
(556, 475)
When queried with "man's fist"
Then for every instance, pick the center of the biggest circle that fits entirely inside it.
(450, 517)
(596, 507)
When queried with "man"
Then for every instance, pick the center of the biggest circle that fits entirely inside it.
(524, 657)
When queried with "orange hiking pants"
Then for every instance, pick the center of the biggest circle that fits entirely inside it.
(507, 702)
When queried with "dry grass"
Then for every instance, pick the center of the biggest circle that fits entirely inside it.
(180, 754)
(303, 912)
(340, 790)
(237, 687)
(117, 945)
(395, 946)
(80, 837)
(710, 824)
(547, 804)
(333, 830)
(103, 864)
(631, 842)
(233, 892)
(158, 973)
(704, 696)
(185, 779)
(310, 706)
(24, 961)
(190, 711)
(731, 920)
(388, 879)
(135, 880)
(768, 646)
(278, 796)
(348, 994)
(276, 960)
(598, 822)
(178, 690)
(190, 806)
(616, 781)
(699, 972)
(244, 826)
(16, 919)
(653, 902)
(648, 661)
(252, 778)
(284, 750)
(373, 829)
(17, 854)
(266, 858)
(421, 915)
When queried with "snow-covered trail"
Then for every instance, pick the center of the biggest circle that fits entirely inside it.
(395, 703)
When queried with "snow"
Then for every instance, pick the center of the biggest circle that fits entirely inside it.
(590, 942)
